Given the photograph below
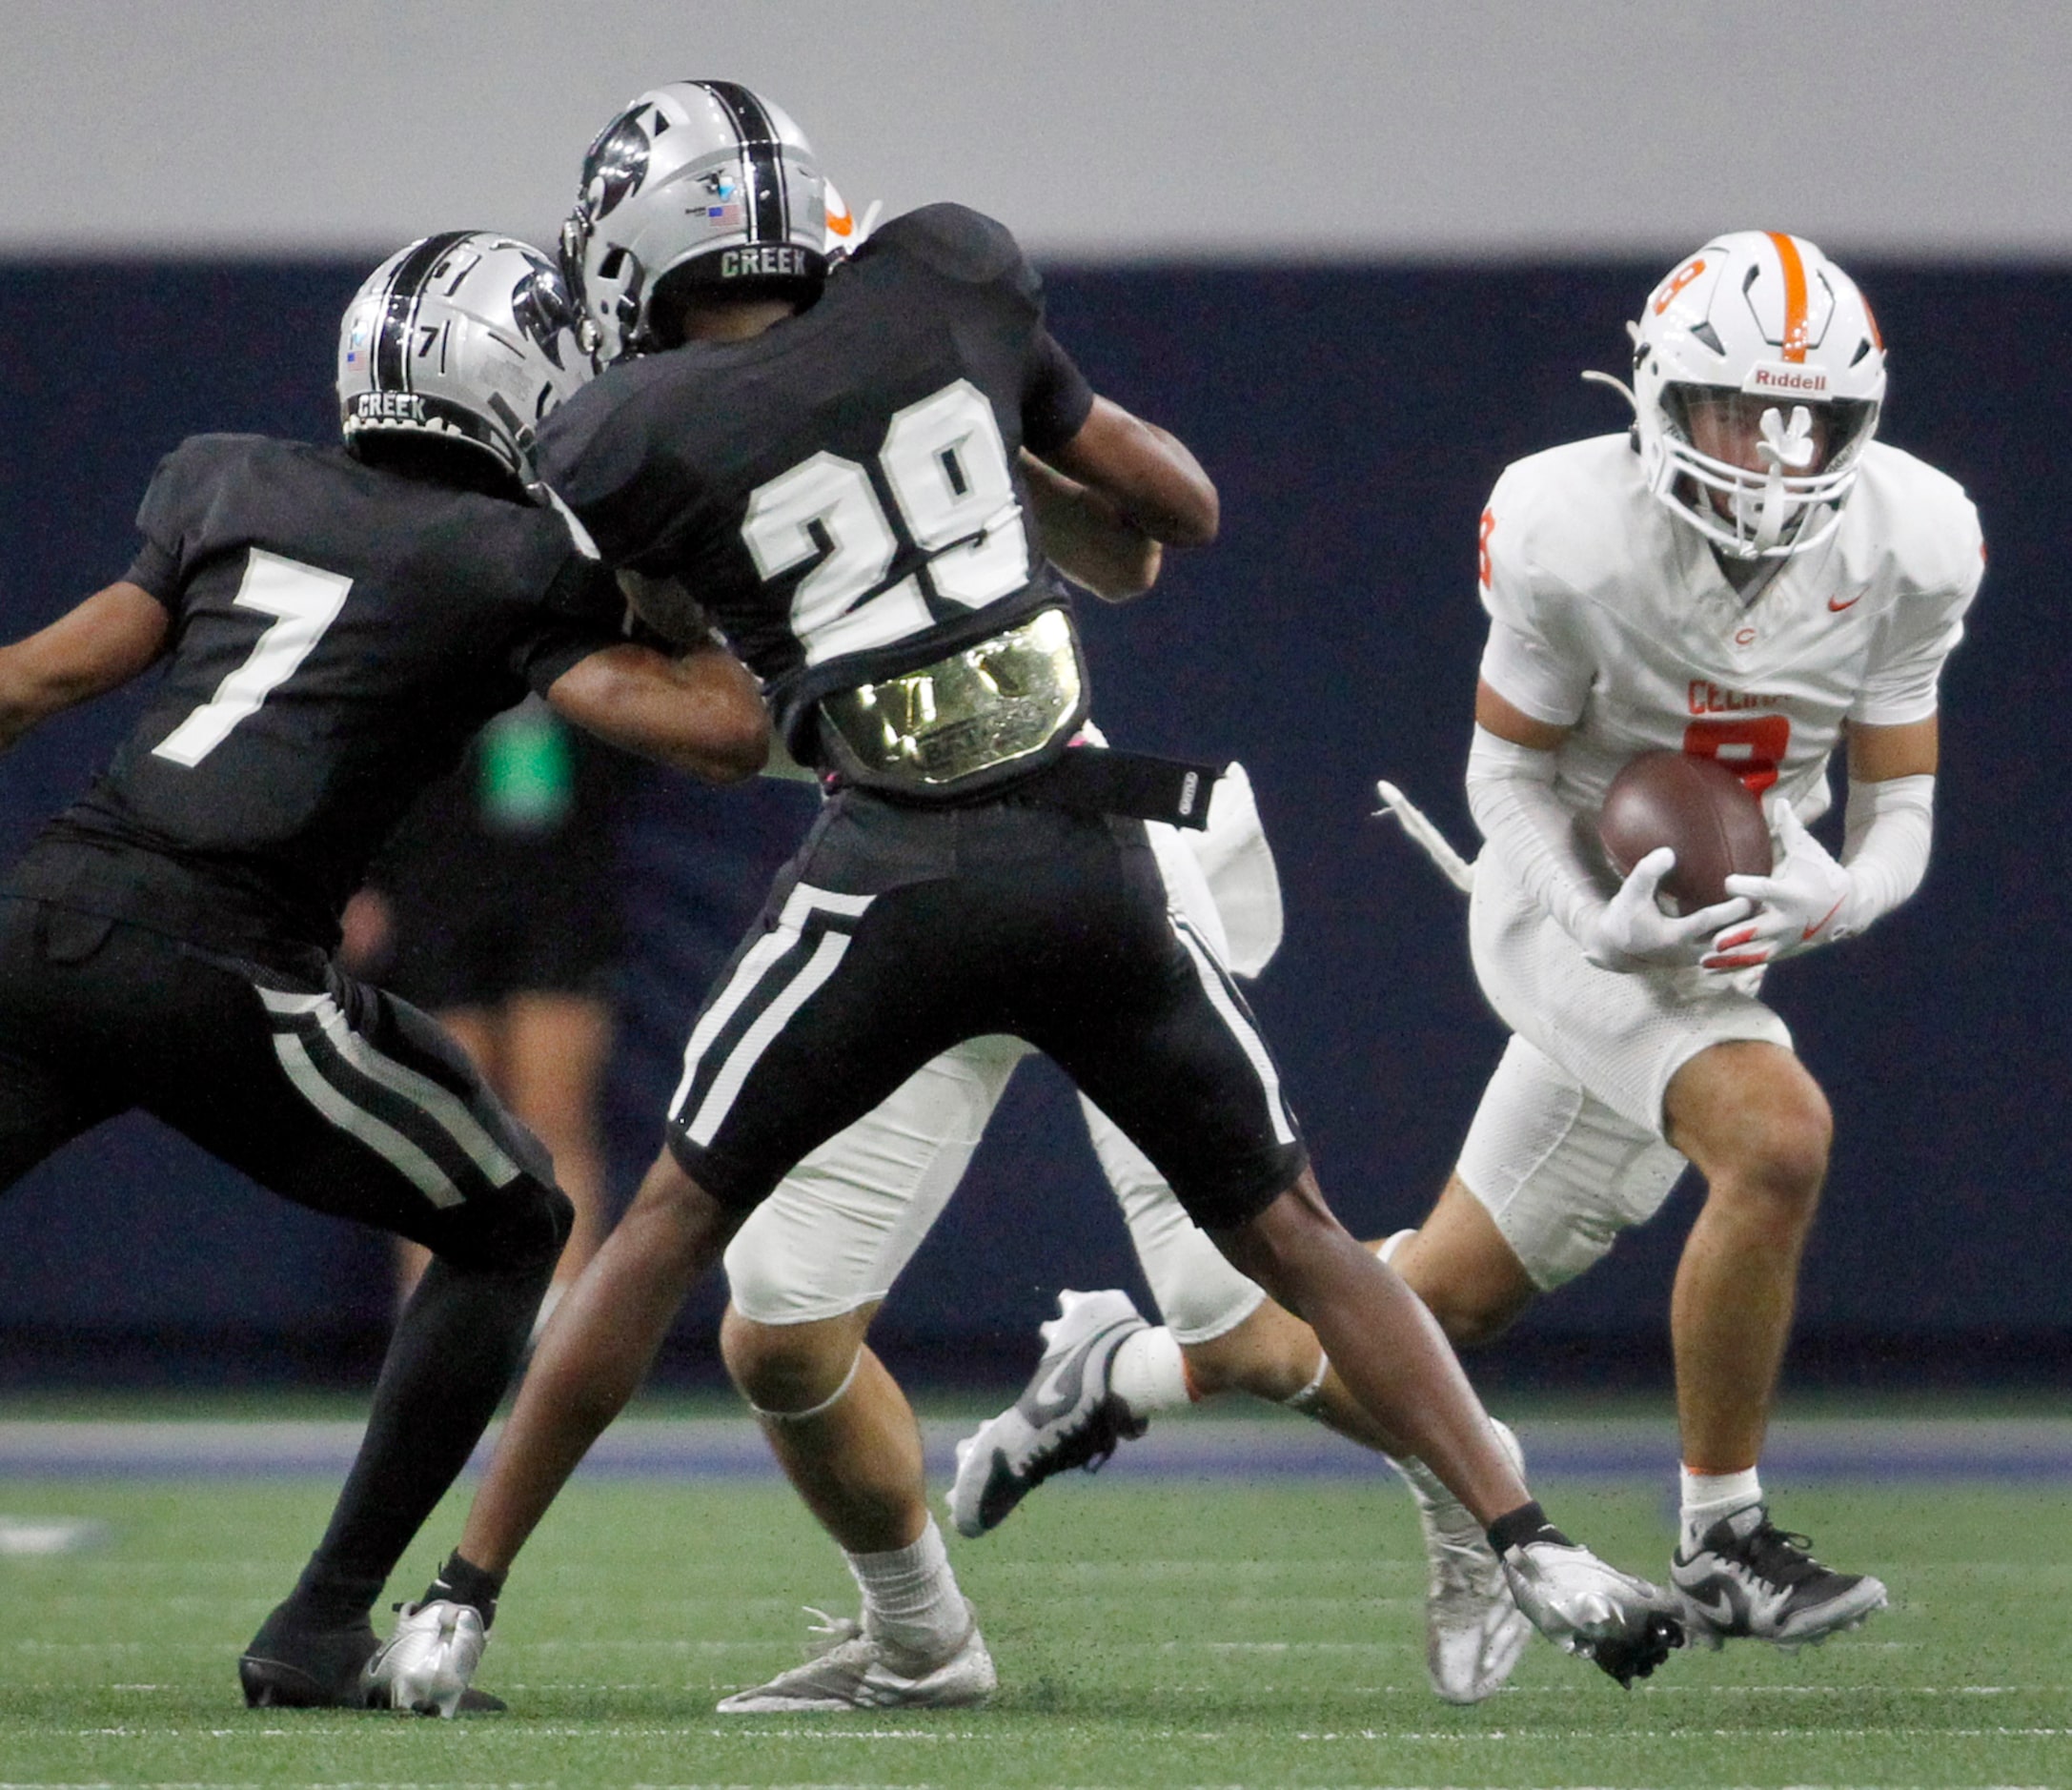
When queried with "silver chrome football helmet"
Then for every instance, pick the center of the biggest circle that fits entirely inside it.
(1767, 323)
(463, 336)
(700, 179)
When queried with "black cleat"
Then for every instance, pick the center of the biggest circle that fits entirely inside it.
(1747, 1578)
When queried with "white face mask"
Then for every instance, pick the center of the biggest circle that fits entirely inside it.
(1758, 478)
(1760, 513)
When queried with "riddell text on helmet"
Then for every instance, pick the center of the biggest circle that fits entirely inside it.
(1770, 376)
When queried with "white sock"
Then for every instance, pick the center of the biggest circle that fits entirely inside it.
(910, 1596)
(1708, 1496)
(1148, 1374)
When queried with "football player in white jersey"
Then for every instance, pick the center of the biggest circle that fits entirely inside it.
(1748, 574)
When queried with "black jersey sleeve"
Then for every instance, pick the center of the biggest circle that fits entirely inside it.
(1055, 400)
(156, 570)
(583, 612)
(965, 245)
(169, 515)
(600, 456)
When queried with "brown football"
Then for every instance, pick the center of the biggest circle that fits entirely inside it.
(1697, 806)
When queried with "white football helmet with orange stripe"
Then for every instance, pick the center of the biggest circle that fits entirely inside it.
(1766, 324)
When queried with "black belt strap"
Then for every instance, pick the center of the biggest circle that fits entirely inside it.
(1094, 780)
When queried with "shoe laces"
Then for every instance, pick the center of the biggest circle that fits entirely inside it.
(835, 1630)
(1779, 1555)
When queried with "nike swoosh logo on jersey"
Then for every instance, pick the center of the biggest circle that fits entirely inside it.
(1836, 607)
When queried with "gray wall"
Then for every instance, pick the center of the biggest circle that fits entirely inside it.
(1098, 128)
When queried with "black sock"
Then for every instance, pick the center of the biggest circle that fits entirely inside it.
(329, 1597)
(1527, 1523)
(461, 1582)
(450, 1360)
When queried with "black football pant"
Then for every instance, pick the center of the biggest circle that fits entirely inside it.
(898, 932)
(338, 1097)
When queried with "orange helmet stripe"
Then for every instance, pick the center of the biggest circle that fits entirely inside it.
(1794, 295)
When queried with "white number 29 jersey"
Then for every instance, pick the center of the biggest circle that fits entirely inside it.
(1612, 619)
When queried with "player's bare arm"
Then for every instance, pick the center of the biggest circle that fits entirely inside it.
(1876, 755)
(700, 712)
(94, 648)
(1086, 538)
(1508, 721)
(1146, 472)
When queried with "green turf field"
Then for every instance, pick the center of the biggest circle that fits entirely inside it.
(1149, 1634)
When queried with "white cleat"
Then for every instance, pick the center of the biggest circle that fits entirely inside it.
(1474, 1628)
(1622, 1624)
(1067, 1417)
(858, 1671)
(430, 1660)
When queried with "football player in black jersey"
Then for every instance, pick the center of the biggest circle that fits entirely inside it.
(830, 467)
(333, 623)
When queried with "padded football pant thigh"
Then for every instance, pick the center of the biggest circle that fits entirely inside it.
(351, 1102)
(1167, 1049)
(39, 1115)
(843, 1225)
(1559, 1172)
(1200, 1295)
(1055, 929)
(57, 1080)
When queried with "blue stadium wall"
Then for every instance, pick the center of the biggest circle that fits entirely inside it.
(1355, 420)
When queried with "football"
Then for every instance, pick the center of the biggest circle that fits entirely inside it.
(1697, 806)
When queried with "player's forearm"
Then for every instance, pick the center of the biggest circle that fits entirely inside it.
(1148, 474)
(97, 646)
(1086, 538)
(702, 713)
(1888, 829)
(1511, 794)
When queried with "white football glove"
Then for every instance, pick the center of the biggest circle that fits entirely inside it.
(1798, 905)
(1631, 931)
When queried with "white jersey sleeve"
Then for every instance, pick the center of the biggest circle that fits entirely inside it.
(1529, 659)
(1935, 542)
